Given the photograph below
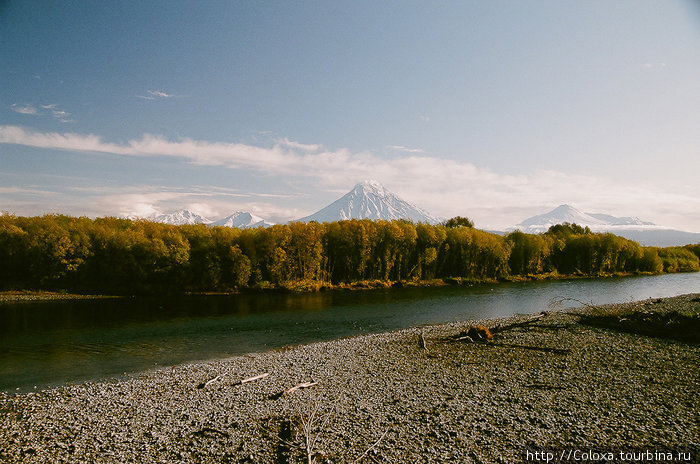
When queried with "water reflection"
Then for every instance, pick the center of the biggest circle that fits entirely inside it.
(52, 342)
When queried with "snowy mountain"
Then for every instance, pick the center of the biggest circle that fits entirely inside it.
(560, 214)
(567, 213)
(181, 217)
(239, 219)
(370, 200)
(242, 220)
(646, 233)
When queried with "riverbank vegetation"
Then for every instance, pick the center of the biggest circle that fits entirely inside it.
(120, 256)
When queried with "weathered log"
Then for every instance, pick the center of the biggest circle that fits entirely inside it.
(252, 379)
(518, 324)
(297, 387)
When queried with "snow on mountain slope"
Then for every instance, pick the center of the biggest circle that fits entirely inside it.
(644, 232)
(181, 217)
(560, 214)
(567, 213)
(370, 200)
(621, 221)
(242, 220)
(239, 219)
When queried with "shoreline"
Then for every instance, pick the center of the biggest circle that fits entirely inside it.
(41, 295)
(553, 383)
(314, 287)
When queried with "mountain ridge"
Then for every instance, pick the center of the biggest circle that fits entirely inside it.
(239, 219)
(242, 220)
(567, 213)
(181, 217)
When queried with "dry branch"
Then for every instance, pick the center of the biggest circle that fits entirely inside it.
(422, 342)
(533, 348)
(252, 379)
(372, 447)
(518, 324)
(206, 384)
(202, 432)
(297, 387)
(240, 382)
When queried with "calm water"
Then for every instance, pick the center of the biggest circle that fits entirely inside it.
(53, 342)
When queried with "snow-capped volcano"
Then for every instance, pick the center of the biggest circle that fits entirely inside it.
(370, 200)
(242, 220)
(181, 217)
(646, 233)
(567, 213)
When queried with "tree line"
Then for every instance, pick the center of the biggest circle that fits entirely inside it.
(120, 256)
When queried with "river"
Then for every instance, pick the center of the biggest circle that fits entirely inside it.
(47, 343)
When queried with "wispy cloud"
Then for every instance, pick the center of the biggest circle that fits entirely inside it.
(156, 95)
(443, 186)
(655, 65)
(25, 109)
(405, 149)
(43, 110)
(58, 113)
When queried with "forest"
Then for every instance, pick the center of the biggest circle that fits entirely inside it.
(124, 257)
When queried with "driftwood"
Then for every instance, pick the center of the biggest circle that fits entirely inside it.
(240, 382)
(297, 387)
(252, 379)
(476, 333)
(293, 389)
(533, 348)
(206, 384)
(422, 342)
(205, 430)
(501, 328)
(371, 447)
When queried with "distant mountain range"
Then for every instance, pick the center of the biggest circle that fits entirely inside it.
(633, 228)
(370, 200)
(239, 219)
(367, 200)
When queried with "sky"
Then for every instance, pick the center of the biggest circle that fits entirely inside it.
(495, 110)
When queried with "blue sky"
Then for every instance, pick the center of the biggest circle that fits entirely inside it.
(495, 110)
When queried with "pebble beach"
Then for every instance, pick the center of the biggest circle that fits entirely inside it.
(412, 396)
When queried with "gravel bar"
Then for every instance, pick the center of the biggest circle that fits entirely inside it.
(411, 396)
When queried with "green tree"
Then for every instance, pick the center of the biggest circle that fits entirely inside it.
(458, 221)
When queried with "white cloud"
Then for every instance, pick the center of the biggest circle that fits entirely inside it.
(46, 110)
(657, 65)
(25, 109)
(405, 149)
(444, 187)
(156, 94)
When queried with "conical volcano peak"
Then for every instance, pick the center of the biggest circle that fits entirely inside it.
(370, 200)
(564, 209)
(370, 184)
